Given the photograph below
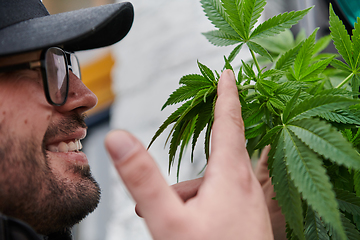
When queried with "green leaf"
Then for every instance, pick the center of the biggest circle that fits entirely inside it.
(303, 58)
(310, 178)
(356, 43)
(220, 38)
(254, 117)
(340, 65)
(286, 193)
(268, 137)
(204, 117)
(206, 72)
(195, 80)
(278, 23)
(322, 43)
(348, 202)
(181, 94)
(171, 119)
(324, 139)
(233, 9)
(314, 227)
(259, 50)
(355, 84)
(315, 69)
(216, 13)
(252, 11)
(287, 59)
(340, 116)
(255, 130)
(319, 104)
(290, 105)
(235, 52)
(341, 38)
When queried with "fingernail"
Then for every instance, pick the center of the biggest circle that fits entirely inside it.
(119, 145)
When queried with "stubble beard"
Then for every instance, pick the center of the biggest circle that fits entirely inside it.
(32, 192)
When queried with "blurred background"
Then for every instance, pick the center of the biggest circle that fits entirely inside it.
(133, 79)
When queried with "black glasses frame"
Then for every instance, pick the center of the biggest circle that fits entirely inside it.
(42, 65)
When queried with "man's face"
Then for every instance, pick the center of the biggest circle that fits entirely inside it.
(44, 179)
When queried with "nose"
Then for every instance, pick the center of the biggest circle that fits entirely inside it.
(80, 98)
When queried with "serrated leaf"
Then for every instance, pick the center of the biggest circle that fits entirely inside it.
(287, 59)
(277, 103)
(235, 52)
(278, 23)
(183, 93)
(204, 116)
(290, 105)
(303, 58)
(252, 11)
(310, 178)
(206, 72)
(355, 84)
(340, 65)
(171, 119)
(286, 193)
(220, 38)
(233, 9)
(322, 43)
(356, 43)
(348, 202)
(255, 130)
(319, 104)
(341, 38)
(340, 116)
(351, 232)
(248, 70)
(315, 69)
(259, 50)
(324, 139)
(314, 227)
(195, 80)
(254, 117)
(216, 13)
(268, 137)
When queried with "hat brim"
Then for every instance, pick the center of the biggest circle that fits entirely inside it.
(76, 30)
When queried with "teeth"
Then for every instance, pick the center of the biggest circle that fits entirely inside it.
(66, 147)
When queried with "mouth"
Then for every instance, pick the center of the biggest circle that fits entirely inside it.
(64, 147)
(65, 144)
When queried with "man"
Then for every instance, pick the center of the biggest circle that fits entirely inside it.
(45, 180)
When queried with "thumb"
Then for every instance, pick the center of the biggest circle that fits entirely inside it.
(141, 175)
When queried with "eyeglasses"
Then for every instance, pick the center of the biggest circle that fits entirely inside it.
(55, 64)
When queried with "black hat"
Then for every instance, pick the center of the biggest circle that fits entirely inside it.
(26, 25)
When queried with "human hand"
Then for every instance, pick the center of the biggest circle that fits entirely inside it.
(188, 189)
(229, 203)
(262, 174)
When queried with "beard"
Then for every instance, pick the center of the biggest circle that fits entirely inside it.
(31, 191)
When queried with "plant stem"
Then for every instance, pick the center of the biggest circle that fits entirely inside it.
(244, 88)
(345, 80)
(255, 60)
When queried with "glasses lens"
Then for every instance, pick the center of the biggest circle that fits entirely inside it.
(56, 71)
(75, 66)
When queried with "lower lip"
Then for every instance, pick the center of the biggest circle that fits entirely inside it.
(78, 158)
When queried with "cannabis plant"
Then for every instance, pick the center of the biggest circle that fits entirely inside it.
(292, 100)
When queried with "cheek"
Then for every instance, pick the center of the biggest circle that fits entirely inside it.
(24, 110)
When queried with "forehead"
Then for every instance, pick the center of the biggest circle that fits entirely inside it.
(20, 58)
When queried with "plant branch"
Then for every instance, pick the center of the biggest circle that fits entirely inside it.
(345, 80)
(255, 61)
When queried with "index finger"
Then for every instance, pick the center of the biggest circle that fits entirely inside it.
(228, 144)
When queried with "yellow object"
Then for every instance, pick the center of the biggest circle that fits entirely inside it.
(97, 77)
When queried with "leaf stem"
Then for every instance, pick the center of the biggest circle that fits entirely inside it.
(345, 80)
(244, 88)
(255, 61)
